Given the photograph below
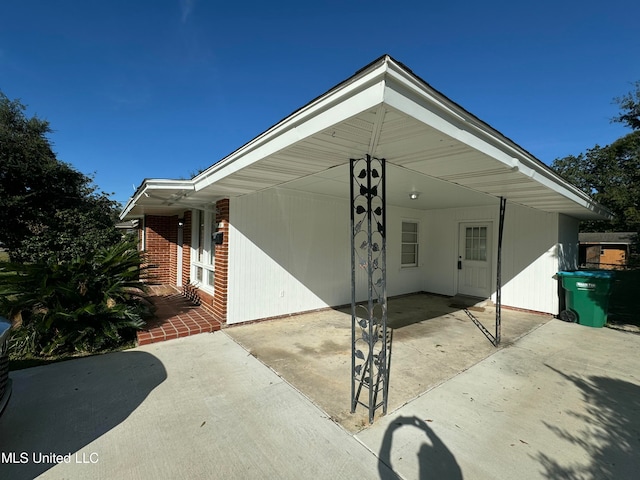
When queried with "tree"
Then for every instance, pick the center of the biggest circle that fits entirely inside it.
(611, 175)
(48, 209)
(630, 106)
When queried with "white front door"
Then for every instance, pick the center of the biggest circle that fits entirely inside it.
(474, 259)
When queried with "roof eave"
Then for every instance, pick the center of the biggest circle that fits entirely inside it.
(520, 159)
(358, 82)
(146, 188)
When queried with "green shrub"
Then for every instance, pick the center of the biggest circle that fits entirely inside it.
(84, 305)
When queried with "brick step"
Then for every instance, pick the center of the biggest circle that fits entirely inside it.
(163, 333)
(176, 317)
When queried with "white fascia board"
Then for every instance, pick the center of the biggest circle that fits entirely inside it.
(559, 185)
(147, 187)
(332, 108)
(127, 208)
(479, 137)
(167, 184)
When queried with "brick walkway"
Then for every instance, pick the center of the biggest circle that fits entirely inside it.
(176, 317)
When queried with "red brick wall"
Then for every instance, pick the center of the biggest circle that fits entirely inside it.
(161, 247)
(162, 251)
(222, 262)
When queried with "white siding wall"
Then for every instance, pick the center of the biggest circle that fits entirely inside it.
(568, 243)
(402, 280)
(530, 261)
(287, 253)
(529, 253)
(290, 252)
(441, 259)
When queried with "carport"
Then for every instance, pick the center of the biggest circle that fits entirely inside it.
(433, 342)
(410, 171)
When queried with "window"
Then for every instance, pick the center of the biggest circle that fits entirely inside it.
(203, 253)
(475, 244)
(409, 255)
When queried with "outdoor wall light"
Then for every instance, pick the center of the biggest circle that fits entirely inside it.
(414, 195)
(181, 222)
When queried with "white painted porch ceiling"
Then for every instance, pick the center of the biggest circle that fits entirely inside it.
(447, 172)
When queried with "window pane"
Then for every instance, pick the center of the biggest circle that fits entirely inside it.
(409, 237)
(200, 236)
(476, 243)
(210, 246)
(408, 259)
(409, 245)
(409, 227)
(210, 278)
(199, 274)
(409, 249)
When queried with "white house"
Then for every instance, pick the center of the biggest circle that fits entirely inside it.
(281, 207)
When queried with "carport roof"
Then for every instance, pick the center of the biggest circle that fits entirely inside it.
(431, 144)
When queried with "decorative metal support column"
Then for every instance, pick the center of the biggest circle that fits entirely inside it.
(503, 205)
(370, 340)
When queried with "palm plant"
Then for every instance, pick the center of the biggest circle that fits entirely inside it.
(88, 304)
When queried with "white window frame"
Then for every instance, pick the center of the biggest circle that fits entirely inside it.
(206, 265)
(415, 243)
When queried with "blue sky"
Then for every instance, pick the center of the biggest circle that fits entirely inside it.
(138, 89)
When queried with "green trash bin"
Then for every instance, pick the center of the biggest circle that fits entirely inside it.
(586, 296)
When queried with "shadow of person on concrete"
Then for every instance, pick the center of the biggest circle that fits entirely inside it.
(61, 408)
(609, 433)
(435, 460)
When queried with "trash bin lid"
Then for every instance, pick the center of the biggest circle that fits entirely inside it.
(588, 274)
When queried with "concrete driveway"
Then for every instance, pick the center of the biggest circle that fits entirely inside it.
(198, 407)
(562, 401)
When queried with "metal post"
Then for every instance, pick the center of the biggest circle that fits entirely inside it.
(369, 338)
(503, 205)
(353, 287)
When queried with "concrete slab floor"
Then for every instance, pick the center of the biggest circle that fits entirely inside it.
(562, 403)
(432, 342)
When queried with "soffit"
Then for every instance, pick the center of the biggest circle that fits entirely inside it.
(432, 156)
(156, 197)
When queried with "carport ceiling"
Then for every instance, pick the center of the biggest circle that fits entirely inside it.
(433, 193)
(446, 170)
(431, 145)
